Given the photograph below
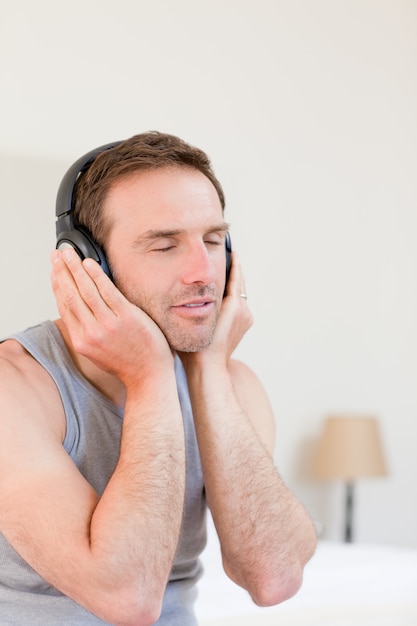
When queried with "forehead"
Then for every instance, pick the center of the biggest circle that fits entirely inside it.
(167, 193)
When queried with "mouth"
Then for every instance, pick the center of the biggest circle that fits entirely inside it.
(195, 308)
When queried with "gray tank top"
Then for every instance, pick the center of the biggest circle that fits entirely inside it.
(92, 440)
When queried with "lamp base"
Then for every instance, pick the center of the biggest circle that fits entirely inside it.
(349, 501)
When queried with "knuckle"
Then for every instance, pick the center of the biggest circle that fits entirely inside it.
(88, 295)
(94, 336)
(70, 299)
(78, 344)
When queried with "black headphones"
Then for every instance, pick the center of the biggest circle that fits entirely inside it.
(76, 236)
(68, 234)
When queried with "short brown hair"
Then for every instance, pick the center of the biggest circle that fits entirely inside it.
(141, 152)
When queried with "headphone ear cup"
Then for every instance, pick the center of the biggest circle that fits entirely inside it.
(79, 239)
(68, 234)
(228, 250)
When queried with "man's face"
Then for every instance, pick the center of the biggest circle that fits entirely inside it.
(167, 253)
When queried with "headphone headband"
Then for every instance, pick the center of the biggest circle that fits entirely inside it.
(64, 198)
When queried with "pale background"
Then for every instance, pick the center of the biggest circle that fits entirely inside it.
(308, 111)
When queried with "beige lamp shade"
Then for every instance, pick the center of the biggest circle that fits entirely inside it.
(349, 448)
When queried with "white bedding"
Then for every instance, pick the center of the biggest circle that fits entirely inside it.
(344, 585)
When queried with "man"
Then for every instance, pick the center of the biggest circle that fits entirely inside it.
(122, 418)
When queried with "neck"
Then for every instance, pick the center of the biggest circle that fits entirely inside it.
(108, 384)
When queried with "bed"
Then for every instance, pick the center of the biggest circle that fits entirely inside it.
(344, 585)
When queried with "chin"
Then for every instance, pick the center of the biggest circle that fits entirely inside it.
(193, 337)
(189, 343)
(190, 349)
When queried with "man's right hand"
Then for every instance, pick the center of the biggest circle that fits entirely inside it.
(103, 325)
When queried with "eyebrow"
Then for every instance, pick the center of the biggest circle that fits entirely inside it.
(152, 234)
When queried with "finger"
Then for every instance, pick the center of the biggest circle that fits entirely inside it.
(63, 284)
(76, 291)
(110, 294)
(63, 309)
(237, 280)
(234, 274)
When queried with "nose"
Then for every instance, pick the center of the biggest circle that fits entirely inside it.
(198, 265)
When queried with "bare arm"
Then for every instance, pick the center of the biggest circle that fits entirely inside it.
(265, 534)
(111, 554)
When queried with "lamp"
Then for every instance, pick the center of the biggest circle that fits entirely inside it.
(349, 448)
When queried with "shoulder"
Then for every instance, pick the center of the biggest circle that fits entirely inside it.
(254, 401)
(15, 362)
(27, 389)
(17, 366)
(242, 373)
(246, 381)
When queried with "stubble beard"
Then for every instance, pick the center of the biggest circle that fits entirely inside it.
(192, 336)
(185, 335)
(195, 340)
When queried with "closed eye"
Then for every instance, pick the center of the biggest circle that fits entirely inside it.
(163, 248)
(214, 243)
(163, 244)
(215, 238)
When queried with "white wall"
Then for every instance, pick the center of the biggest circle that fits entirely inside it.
(307, 108)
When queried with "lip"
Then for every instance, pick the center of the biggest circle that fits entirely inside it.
(197, 307)
(197, 301)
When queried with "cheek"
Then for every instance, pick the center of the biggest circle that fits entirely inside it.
(127, 282)
(144, 277)
(139, 290)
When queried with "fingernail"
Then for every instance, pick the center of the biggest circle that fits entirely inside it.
(68, 253)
